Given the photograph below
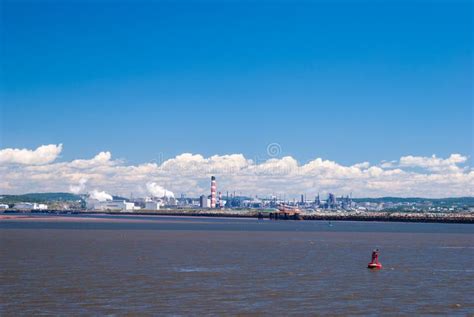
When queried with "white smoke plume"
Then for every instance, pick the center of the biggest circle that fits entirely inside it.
(158, 191)
(77, 189)
(99, 195)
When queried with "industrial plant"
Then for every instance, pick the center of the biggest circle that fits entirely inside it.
(215, 202)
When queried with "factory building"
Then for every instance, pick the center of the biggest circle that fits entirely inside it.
(169, 201)
(152, 205)
(30, 206)
(3, 206)
(332, 202)
(317, 201)
(204, 202)
(221, 202)
(110, 205)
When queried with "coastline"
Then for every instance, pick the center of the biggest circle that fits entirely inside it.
(465, 218)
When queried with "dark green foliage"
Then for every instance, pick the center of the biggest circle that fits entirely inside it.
(39, 198)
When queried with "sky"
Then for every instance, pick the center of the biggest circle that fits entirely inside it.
(147, 82)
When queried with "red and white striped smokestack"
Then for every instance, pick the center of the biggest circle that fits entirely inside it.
(213, 192)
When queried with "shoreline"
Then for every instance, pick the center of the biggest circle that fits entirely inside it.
(464, 218)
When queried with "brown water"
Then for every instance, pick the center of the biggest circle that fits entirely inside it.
(185, 266)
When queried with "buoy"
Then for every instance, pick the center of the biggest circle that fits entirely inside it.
(375, 264)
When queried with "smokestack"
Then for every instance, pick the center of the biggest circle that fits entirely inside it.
(213, 192)
(221, 205)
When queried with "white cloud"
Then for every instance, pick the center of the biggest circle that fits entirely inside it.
(42, 155)
(189, 163)
(103, 158)
(189, 173)
(434, 163)
(390, 164)
(362, 165)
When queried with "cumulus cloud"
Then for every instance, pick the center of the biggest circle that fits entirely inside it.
(42, 155)
(189, 173)
(189, 163)
(158, 191)
(362, 165)
(103, 158)
(100, 195)
(433, 163)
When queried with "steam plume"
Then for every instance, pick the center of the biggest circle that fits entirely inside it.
(158, 191)
(99, 195)
(76, 189)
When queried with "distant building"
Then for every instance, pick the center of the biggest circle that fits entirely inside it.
(317, 201)
(346, 202)
(204, 202)
(41, 206)
(91, 203)
(222, 203)
(152, 205)
(121, 205)
(332, 203)
(110, 205)
(30, 206)
(252, 203)
(3, 206)
(170, 201)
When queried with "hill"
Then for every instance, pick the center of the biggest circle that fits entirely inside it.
(38, 198)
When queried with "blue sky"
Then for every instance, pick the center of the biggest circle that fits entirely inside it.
(348, 81)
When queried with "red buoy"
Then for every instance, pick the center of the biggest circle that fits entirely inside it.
(375, 264)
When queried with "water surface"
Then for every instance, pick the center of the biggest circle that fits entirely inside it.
(207, 266)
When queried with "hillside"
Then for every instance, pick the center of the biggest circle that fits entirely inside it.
(39, 198)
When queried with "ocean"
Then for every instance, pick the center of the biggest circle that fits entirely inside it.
(181, 266)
